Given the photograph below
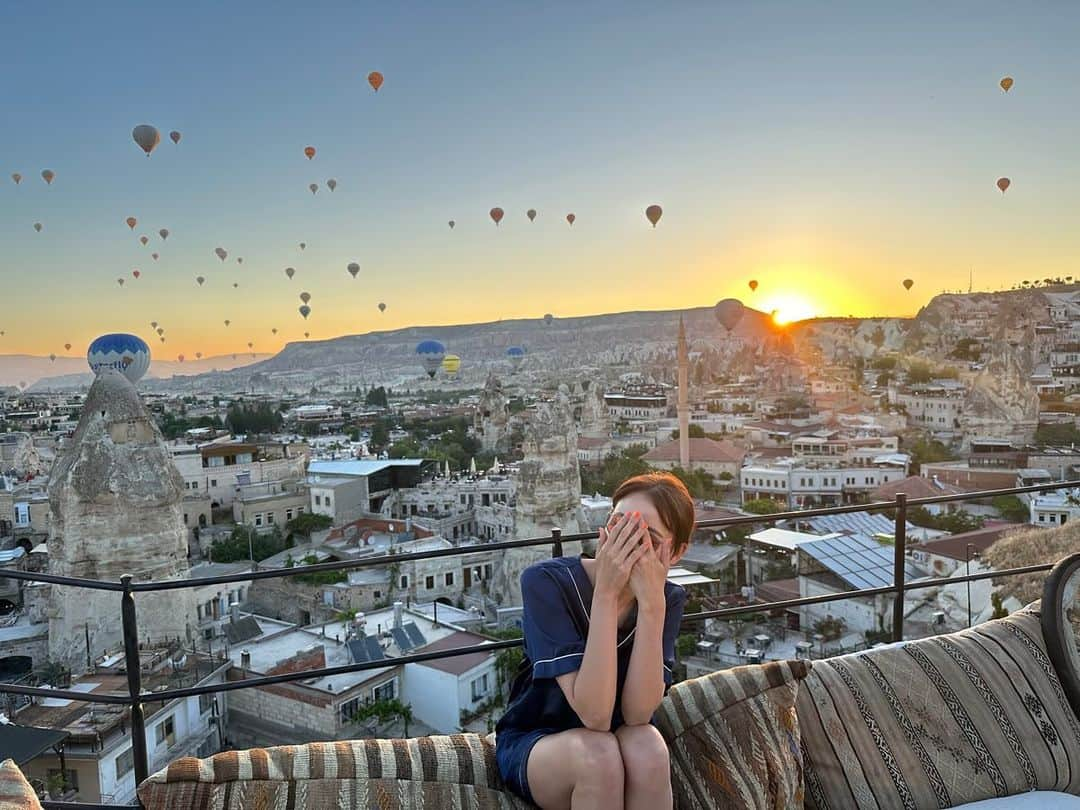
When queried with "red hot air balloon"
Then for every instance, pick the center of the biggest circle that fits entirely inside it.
(136, 273)
(309, 151)
(1003, 183)
(653, 214)
(496, 215)
(570, 218)
(375, 79)
(131, 222)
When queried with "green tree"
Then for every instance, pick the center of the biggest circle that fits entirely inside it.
(377, 397)
(1011, 508)
(928, 451)
(306, 523)
(613, 470)
(955, 522)
(887, 363)
(244, 540)
(686, 644)
(1057, 434)
(919, 373)
(695, 432)
(762, 506)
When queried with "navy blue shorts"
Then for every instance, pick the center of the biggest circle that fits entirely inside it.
(512, 749)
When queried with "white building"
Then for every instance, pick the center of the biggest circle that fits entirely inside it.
(798, 485)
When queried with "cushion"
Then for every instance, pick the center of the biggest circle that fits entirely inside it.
(455, 771)
(1036, 800)
(15, 791)
(939, 722)
(1061, 624)
(734, 738)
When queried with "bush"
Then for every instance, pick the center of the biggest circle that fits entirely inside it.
(762, 506)
(308, 522)
(244, 540)
(1011, 508)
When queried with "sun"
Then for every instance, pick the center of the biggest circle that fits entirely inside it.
(786, 308)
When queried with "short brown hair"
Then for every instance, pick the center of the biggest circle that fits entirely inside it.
(670, 497)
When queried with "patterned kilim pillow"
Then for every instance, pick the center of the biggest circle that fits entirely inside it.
(734, 738)
(15, 791)
(939, 722)
(427, 773)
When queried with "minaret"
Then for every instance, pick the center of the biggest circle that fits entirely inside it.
(684, 403)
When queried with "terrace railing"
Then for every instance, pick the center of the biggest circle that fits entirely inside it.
(127, 588)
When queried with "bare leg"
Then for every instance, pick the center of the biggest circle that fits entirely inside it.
(647, 766)
(577, 769)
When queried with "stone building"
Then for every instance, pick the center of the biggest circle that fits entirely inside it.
(116, 508)
(492, 419)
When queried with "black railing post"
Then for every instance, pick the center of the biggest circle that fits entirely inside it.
(899, 558)
(556, 542)
(134, 679)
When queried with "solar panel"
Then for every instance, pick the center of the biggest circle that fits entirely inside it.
(358, 651)
(859, 561)
(402, 639)
(414, 634)
(375, 650)
(242, 630)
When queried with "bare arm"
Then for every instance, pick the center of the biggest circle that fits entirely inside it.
(591, 690)
(644, 687)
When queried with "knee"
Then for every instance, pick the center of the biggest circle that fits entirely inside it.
(644, 754)
(598, 759)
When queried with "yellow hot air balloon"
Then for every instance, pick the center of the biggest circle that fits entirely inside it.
(1006, 83)
(908, 283)
(309, 151)
(375, 79)
(653, 214)
(451, 364)
(131, 222)
(1003, 183)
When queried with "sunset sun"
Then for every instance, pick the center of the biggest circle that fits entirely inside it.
(786, 309)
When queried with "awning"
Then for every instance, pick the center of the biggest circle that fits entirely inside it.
(23, 743)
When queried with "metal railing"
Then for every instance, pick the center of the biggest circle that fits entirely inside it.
(127, 588)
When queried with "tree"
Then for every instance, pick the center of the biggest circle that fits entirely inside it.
(919, 373)
(999, 609)
(244, 540)
(694, 431)
(613, 470)
(878, 337)
(307, 523)
(686, 644)
(376, 397)
(1057, 434)
(762, 506)
(1011, 508)
(830, 627)
(926, 451)
(956, 522)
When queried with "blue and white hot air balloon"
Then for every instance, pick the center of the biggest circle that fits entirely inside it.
(431, 354)
(516, 355)
(127, 354)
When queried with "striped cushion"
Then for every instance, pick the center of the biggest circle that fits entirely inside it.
(734, 738)
(456, 771)
(15, 791)
(939, 722)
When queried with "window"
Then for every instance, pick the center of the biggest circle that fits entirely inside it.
(213, 482)
(377, 595)
(258, 518)
(479, 687)
(403, 583)
(125, 763)
(348, 709)
(429, 582)
(328, 501)
(165, 732)
(318, 500)
(384, 691)
(288, 515)
(205, 703)
(269, 518)
(450, 579)
(487, 571)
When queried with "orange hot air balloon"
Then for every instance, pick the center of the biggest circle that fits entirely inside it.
(653, 214)
(531, 214)
(753, 285)
(1003, 183)
(908, 283)
(496, 215)
(570, 218)
(309, 151)
(131, 222)
(375, 79)
(1006, 83)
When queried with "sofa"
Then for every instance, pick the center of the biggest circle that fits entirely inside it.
(985, 719)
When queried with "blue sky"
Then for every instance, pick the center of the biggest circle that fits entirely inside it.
(828, 150)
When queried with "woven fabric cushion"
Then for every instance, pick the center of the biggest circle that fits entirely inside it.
(939, 722)
(734, 738)
(456, 771)
(15, 791)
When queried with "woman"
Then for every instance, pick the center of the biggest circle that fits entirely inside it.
(599, 645)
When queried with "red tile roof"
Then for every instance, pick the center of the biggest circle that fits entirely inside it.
(914, 486)
(955, 546)
(460, 663)
(700, 450)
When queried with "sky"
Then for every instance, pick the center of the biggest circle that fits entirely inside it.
(827, 150)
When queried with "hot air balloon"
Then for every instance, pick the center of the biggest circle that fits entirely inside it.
(653, 214)
(164, 233)
(47, 175)
(67, 347)
(531, 214)
(160, 331)
(1003, 183)
(120, 281)
(309, 151)
(516, 356)
(175, 136)
(127, 354)
(16, 177)
(1006, 83)
(153, 324)
(451, 223)
(548, 318)
(147, 137)
(198, 355)
(353, 269)
(154, 256)
(375, 79)
(908, 283)
(570, 218)
(752, 285)
(305, 310)
(52, 357)
(729, 312)
(221, 253)
(382, 307)
(273, 330)
(235, 285)
(200, 279)
(305, 297)
(331, 184)
(239, 259)
(144, 240)
(290, 271)
(227, 321)
(303, 245)
(131, 222)
(451, 364)
(431, 354)
(180, 357)
(307, 334)
(38, 226)
(314, 187)
(136, 273)
(251, 345)
(496, 215)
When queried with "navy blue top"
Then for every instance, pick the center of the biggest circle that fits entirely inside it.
(556, 595)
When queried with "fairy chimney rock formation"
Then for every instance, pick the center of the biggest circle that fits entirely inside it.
(115, 497)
